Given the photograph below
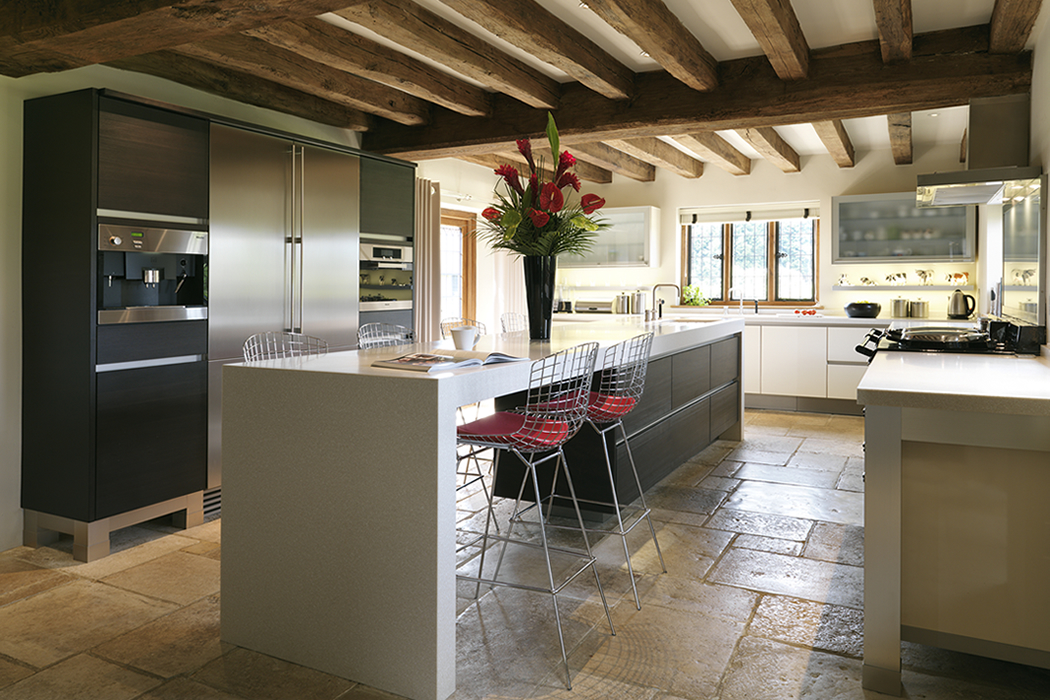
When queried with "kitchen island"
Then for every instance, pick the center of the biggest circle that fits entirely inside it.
(339, 500)
(957, 475)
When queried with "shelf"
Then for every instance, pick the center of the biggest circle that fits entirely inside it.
(907, 287)
(386, 286)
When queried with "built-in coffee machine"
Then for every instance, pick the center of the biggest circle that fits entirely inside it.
(151, 274)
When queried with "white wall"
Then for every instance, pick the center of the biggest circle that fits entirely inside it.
(12, 94)
(1040, 146)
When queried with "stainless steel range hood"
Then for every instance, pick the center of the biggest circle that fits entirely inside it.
(997, 152)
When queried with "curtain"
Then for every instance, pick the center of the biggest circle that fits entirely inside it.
(426, 309)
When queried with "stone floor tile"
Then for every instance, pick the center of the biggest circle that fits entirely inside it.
(763, 524)
(753, 429)
(19, 579)
(799, 502)
(682, 498)
(680, 517)
(851, 481)
(69, 619)
(727, 468)
(679, 652)
(766, 670)
(179, 577)
(688, 552)
(82, 677)
(175, 644)
(747, 453)
(847, 447)
(788, 475)
(831, 628)
(855, 464)
(788, 419)
(769, 443)
(586, 686)
(852, 425)
(203, 548)
(726, 602)
(768, 544)
(1014, 680)
(260, 677)
(791, 576)
(814, 460)
(209, 532)
(713, 454)
(130, 547)
(718, 483)
(11, 672)
(185, 689)
(836, 543)
(689, 474)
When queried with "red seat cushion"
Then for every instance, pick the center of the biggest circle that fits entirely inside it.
(603, 408)
(515, 430)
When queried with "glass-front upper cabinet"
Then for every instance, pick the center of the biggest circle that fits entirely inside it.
(891, 228)
(630, 240)
(1024, 255)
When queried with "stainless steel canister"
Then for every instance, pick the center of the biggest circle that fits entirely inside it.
(621, 304)
(639, 301)
(919, 309)
(899, 308)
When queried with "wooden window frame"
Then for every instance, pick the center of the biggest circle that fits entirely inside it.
(467, 222)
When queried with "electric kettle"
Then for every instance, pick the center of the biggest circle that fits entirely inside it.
(960, 305)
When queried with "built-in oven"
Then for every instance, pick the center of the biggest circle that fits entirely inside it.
(385, 256)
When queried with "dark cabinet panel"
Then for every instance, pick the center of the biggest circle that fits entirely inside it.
(388, 192)
(151, 160)
(401, 317)
(692, 375)
(655, 402)
(663, 448)
(725, 409)
(127, 342)
(725, 361)
(151, 435)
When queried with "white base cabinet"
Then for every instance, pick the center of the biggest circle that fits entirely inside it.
(794, 361)
(752, 359)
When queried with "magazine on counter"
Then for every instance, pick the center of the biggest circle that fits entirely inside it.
(448, 359)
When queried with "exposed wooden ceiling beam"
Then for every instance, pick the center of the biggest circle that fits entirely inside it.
(658, 32)
(320, 41)
(1012, 22)
(893, 18)
(597, 153)
(414, 27)
(61, 34)
(249, 89)
(256, 57)
(494, 160)
(532, 28)
(584, 170)
(660, 154)
(948, 68)
(717, 151)
(775, 26)
(772, 147)
(837, 141)
(900, 137)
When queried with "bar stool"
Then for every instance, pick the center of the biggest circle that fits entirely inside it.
(512, 322)
(620, 384)
(380, 335)
(271, 345)
(535, 433)
(448, 324)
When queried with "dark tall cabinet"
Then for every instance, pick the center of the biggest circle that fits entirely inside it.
(114, 422)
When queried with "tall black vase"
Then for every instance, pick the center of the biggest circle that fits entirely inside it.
(539, 293)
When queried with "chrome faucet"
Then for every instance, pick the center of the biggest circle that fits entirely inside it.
(658, 309)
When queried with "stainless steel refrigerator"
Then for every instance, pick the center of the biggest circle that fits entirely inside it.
(283, 251)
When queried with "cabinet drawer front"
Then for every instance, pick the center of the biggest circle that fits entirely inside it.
(725, 361)
(148, 341)
(843, 381)
(842, 343)
(692, 375)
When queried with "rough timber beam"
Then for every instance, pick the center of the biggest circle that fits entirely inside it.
(37, 36)
(412, 26)
(1012, 22)
(900, 137)
(658, 32)
(320, 41)
(617, 161)
(241, 87)
(660, 154)
(772, 147)
(837, 141)
(584, 170)
(893, 18)
(256, 57)
(530, 27)
(775, 26)
(948, 68)
(717, 151)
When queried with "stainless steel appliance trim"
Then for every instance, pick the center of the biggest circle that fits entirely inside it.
(384, 305)
(156, 362)
(150, 314)
(376, 252)
(147, 239)
(159, 218)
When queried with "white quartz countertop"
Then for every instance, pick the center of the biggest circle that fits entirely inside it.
(761, 319)
(957, 382)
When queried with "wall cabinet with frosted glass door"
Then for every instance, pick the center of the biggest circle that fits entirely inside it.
(890, 228)
(630, 241)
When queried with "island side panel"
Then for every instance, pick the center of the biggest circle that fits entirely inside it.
(882, 549)
(339, 525)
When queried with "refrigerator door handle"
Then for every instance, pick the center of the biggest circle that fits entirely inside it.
(289, 318)
(302, 228)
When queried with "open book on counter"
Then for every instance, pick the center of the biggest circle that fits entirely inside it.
(448, 359)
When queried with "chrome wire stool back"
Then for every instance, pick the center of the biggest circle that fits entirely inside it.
(447, 324)
(513, 322)
(380, 335)
(272, 345)
(620, 385)
(555, 410)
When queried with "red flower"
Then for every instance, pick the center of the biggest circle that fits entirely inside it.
(539, 218)
(591, 203)
(551, 198)
(565, 161)
(525, 149)
(491, 214)
(534, 185)
(569, 179)
(510, 175)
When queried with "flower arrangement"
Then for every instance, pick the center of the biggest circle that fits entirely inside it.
(534, 217)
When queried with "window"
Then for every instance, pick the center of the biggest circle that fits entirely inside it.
(458, 275)
(771, 260)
